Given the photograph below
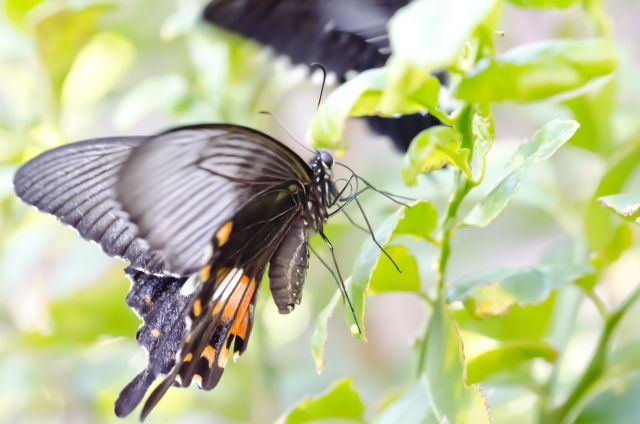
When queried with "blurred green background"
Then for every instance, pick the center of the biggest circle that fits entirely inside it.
(78, 69)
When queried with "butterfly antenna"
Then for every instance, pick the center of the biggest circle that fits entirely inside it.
(364, 215)
(354, 223)
(337, 277)
(286, 130)
(324, 80)
(386, 194)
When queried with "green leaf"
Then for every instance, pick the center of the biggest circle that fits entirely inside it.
(483, 131)
(627, 205)
(411, 407)
(545, 4)
(444, 367)
(506, 356)
(328, 123)
(600, 229)
(17, 10)
(432, 149)
(61, 35)
(494, 202)
(430, 34)
(412, 34)
(385, 276)
(97, 69)
(341, 402)
(544, 143)
(361, 96)
(319, 337)
(419, 220)
(538, 71)
(594, 110)
(494, 292)
(526, 322)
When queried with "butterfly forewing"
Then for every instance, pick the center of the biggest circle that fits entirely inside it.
(182, 185)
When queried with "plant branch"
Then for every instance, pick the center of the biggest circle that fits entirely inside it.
(461, 188)
(598, 360)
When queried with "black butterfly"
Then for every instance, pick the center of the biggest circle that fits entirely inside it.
(343, 35)
(198, 212)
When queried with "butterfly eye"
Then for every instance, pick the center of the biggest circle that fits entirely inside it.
(326, 158)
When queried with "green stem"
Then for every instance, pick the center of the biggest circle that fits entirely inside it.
(598, 303)
(461, 189)
(598, 360)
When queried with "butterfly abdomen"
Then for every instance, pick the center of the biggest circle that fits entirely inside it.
(288, 268)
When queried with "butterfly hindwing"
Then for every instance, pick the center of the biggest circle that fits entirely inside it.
(221, 313)
(161, 306)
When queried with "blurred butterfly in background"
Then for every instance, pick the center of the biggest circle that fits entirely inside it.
(343, 35)
(198, 212)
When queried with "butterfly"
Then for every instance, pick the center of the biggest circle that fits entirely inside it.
(343, 35)
(199, 212)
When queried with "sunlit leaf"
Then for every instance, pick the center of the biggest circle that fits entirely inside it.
(418, 220)
(538, 71)
(527, 322)
(16, 10)
(361, 96)
(385, 276)
(544, 143)
(432, 149)
(545, 4)
(412, 407)
(427, 36)
(483, 132)
(430, 34)
(341, 402)
(626, 205)
(319, 337)
(97, 69)
(61, 35)
(505, 357)
(444, 367)
(328, 123)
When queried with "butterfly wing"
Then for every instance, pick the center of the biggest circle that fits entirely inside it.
(343, 35)
(180, 186)
(155, 201)
(76, 183)
(221, 314)
(160, 304)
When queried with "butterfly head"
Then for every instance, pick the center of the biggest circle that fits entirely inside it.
(326, 158)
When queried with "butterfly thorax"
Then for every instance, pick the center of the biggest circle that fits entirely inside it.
(321, 194)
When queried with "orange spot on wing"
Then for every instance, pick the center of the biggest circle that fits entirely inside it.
(205, 272)
(197, 307)
(239, 299)
(223, 233)
(209, 353)
(187, 357)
